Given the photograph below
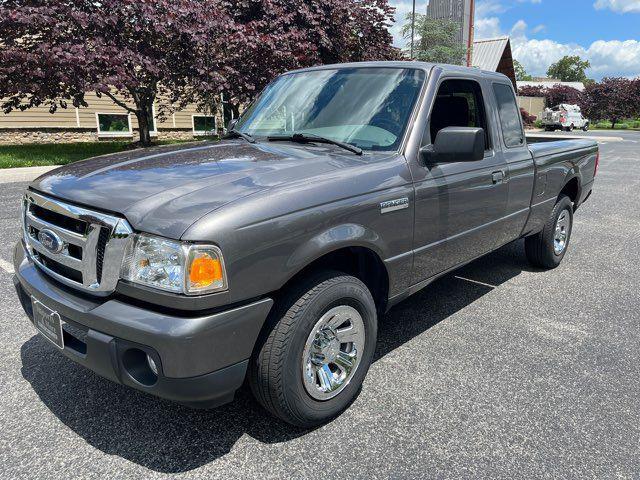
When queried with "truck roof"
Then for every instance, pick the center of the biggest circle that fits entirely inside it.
(426, 66)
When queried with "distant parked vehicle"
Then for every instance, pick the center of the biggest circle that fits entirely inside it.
(564, 117)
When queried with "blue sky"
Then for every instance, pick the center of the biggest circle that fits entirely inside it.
(606, 32)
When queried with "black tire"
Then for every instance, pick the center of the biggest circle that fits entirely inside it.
(275, 369)
(540, 247)
(585, 128)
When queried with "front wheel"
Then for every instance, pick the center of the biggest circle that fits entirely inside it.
(585, 128)
(547, 248)
(311, 364)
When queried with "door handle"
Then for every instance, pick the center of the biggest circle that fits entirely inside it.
(497, 177)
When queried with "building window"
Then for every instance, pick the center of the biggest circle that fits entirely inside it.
(114, 124)
(204, 124)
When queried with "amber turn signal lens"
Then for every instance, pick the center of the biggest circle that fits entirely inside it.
(205, 271)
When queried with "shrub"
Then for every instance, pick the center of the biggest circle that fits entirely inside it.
(622, 126)
(606, 125)
(538, 124)
(635, 124)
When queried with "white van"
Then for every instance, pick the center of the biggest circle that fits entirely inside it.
(564, 117)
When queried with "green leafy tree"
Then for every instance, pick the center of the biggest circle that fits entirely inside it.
(569, 69)
(435, 40)
(521, 73)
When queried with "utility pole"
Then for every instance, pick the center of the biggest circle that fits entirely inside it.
(413, 27)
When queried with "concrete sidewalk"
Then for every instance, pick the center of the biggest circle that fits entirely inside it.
(23, 174)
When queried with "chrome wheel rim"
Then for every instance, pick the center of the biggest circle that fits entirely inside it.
(561, 234)
(332, 352)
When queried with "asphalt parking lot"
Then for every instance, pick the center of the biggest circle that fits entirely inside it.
(496, 370)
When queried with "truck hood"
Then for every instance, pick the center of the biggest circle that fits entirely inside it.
(164, 190)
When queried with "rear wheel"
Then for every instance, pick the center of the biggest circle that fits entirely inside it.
(585, 128)
(311, 364)
(547, 248)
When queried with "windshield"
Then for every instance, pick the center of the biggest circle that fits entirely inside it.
(366, 107)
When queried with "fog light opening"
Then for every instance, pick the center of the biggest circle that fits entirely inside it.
(139, 367)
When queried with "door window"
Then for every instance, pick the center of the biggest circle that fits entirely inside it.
(509, 115)
(459, 103)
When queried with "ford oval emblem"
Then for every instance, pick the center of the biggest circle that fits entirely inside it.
(50, 241)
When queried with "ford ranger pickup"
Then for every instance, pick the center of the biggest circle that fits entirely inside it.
(268, 257)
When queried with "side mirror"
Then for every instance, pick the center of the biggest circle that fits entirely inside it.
(455, 144)
(231, 124)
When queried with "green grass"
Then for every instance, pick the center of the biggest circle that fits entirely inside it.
(37, 154)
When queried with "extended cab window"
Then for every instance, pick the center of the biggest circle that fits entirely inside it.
(459, 103)
(509, 115)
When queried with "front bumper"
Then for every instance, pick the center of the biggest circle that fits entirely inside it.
(201, 360)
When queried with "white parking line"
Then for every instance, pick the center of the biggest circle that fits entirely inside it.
(6, 266)
(474, 281)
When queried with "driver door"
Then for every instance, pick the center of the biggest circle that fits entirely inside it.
(458, 205)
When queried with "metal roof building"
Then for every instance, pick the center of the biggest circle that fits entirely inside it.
(494, 54)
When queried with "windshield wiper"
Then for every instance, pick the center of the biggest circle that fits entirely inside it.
(313, 138)
(233, 133)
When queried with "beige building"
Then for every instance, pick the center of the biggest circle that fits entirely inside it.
(533, 105)
(101, 120)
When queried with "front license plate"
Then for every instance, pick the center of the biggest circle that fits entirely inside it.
(48, 323)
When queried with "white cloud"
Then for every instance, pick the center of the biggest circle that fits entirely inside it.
(518, 31)
(619, 6)
(485, 8)
(539, 28)
(615, 56)
(607, 58)
(487, 28)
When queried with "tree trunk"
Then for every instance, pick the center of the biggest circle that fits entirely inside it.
(235, 108)
(144, 114)
(613, 123)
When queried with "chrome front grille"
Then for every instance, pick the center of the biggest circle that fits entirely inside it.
(78, 247)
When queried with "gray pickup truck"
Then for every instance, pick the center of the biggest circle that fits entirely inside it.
(269, 256)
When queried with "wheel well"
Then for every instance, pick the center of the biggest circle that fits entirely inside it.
(360, 262)
(571, 189)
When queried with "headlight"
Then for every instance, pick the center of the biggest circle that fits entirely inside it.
(174, 266)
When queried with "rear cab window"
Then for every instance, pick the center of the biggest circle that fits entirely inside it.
(509, 115)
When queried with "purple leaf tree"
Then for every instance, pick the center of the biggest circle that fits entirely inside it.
(613, 99)
(177, 51)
